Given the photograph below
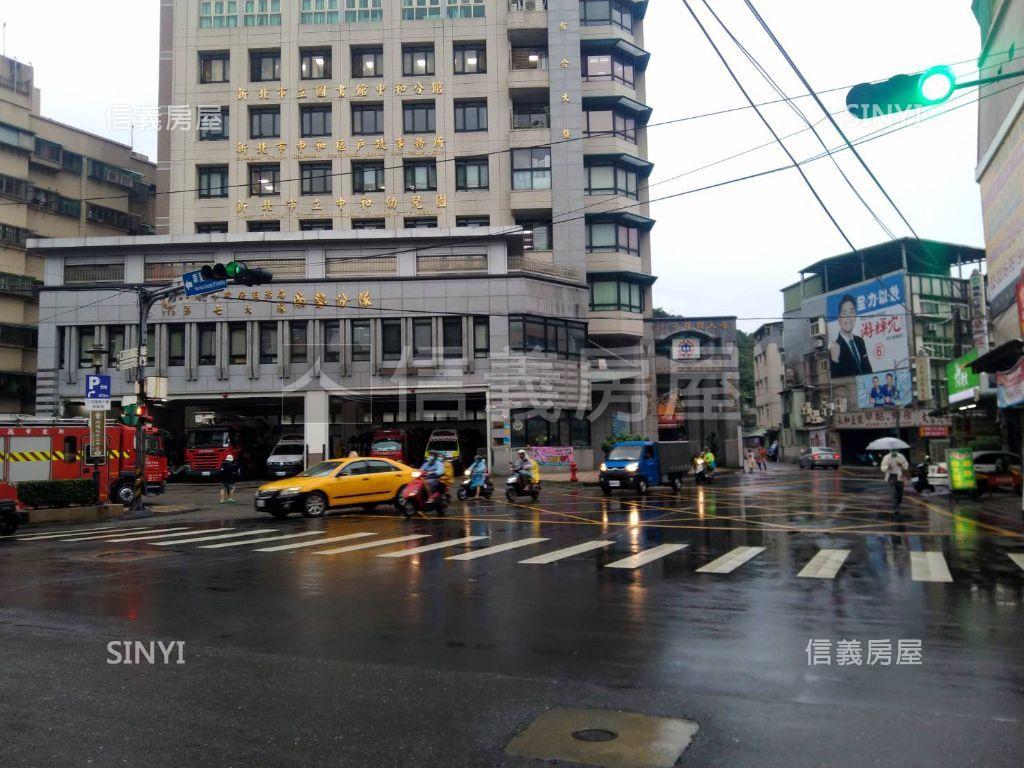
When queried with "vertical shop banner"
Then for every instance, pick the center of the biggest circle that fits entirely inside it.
(867, 327)
(885, 389)
(1010, 386)
(961, 470)
(1002, 203)
(979, 311)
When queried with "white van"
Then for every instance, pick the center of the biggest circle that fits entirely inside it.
(288, 457)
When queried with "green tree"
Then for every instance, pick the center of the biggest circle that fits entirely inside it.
(661, 312)
(745, 350)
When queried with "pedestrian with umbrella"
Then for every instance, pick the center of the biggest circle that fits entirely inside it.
(895, 467)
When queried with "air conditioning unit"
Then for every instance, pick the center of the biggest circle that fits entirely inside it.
(816, 416)
(805, 409)
(819, 342)
(818, 327)
(531, 5)
(841, 404)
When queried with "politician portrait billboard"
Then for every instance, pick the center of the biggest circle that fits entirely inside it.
(867, 327)
(885, 389)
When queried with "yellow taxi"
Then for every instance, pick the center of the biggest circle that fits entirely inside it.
(352, 482)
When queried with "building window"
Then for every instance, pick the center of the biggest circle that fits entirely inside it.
(207, 335)
(315, 178)
(213, 123)
(481, 336)
(264, 180)
(262, 13)
(423, 337)
(420, 222)
(610, 180)
(264, 66)
(616, 295)
(214, 14)
(540, 234)
(211, 227)
(418, 117)
(175, 345)
(316, 121)
(528, 333)
(472, 221)
(470, 116)
(452, 337)
(61, 338)
(391, 339)
(360, 340)
(420, 176)
(368, 62)
(215, 67)
(470, 59)
(472, 173)
(605, 66)
(268, 342)
(72, 162)
(530, 57)
(332, 341)
(264, 226)
(367, 119)
(297, 330)
(466, 9)
(48, 150)
(315, 64)
(364, 10)
(605, 122)
(115, 343)
(237, 342)
(417, 60)
(313, 225)
(530, 115)
(319, 12)
(414, 10)
(531, 168)
(368, 224)
(539, 429)
(617, 12)
(368, 176)
(213, 180)
(264, 122)
(611, 236)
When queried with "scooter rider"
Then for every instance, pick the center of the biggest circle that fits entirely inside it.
(433, 471)
(477, 475)
(523, 468)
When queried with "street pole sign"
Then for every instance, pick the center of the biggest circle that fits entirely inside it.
(131, 358)
(97, 392)
(97, 453)
(195, 285)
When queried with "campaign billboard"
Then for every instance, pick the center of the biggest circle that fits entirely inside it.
(885, 389)
(867, 327)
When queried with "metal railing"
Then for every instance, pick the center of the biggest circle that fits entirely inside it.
(538, 267)
(19, 336)
(522, 6)
(16, 284)
(475, 262)
(356, 266)
(93, 273)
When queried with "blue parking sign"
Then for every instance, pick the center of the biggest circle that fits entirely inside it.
(97, 392)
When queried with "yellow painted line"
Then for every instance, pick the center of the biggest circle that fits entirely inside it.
(963, 518)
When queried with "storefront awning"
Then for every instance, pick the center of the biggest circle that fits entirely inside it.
(1002, 358)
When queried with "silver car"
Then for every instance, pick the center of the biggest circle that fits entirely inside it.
(812, 458)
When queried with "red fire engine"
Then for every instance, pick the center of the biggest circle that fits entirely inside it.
(39, 448)
(207, 445)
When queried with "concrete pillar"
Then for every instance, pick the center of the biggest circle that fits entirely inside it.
(317, 425)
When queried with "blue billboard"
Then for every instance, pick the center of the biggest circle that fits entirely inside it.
(867, 327)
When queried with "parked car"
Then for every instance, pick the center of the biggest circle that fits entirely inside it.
(288, 456)
(355, 482)
(818, 456)
(993, 469)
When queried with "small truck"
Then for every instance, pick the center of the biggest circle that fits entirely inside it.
(639, 464)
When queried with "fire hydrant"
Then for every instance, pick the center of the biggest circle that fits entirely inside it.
(572, 472)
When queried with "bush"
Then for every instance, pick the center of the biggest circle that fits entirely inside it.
(56, 493)
(613, 439)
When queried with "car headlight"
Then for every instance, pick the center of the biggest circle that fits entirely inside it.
(289, 492)
(633, 466)
(604, 467)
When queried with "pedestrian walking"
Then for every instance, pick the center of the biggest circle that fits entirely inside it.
(229, 471)
(762, 459)
(895, 468)
(749, 462)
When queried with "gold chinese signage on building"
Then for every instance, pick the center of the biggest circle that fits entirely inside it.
(342, 207)
(279, 299)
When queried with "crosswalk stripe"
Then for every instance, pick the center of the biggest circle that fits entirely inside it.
(432, 547)
(213, 538)
(179, 534)
(731, 560)
(561, 554)
(647, 556)
(316, 543)
(260, 540)
(1018, 559)
(73, 532)
(929, 566)
(495, 549)
(120, 537)
(369, 544)
(825, 564)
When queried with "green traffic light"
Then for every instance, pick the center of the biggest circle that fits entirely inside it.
(936, 84)
(234, 269)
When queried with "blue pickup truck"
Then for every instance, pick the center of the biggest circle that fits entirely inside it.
(639, 464)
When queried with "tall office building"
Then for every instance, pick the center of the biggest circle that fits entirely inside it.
(292, 115)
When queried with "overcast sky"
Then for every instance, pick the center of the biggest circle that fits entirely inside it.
(726, 251)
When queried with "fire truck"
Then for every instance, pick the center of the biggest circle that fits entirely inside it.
(40, 448)
(207, 445)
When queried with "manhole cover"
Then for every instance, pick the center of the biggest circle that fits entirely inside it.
(594, 734)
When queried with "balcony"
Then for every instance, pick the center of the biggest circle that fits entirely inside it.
(528, 67)
(539, 267)
(527, 14)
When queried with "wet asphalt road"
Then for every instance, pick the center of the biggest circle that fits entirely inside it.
(351, 659)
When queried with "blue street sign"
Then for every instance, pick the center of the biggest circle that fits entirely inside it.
(97, 392)
(196, 286)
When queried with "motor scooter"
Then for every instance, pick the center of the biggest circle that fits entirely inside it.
(486, 490)
(701, 471)
(521, 484)
(418, 498)
(921, 483)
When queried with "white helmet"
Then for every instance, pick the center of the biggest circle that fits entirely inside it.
(522, 452)
(229, 457)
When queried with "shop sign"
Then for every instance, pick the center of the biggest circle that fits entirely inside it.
(933, 431)
(960, 378)
(1010, 385)
(961, 470)
(553, 455)
(979, 311)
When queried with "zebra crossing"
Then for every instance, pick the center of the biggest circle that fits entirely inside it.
(825, 564)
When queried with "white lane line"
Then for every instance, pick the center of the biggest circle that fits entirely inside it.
(561, 554)
(647, 556)
(929, 566)
(369, 544)
(261, 540)
(1018, 559)
(213, 538)
(731, 560)
(106, 528)
(189, 532)
(432, 547)
(825, 564)
(148, 535)
(317, 542)
(495, 549)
